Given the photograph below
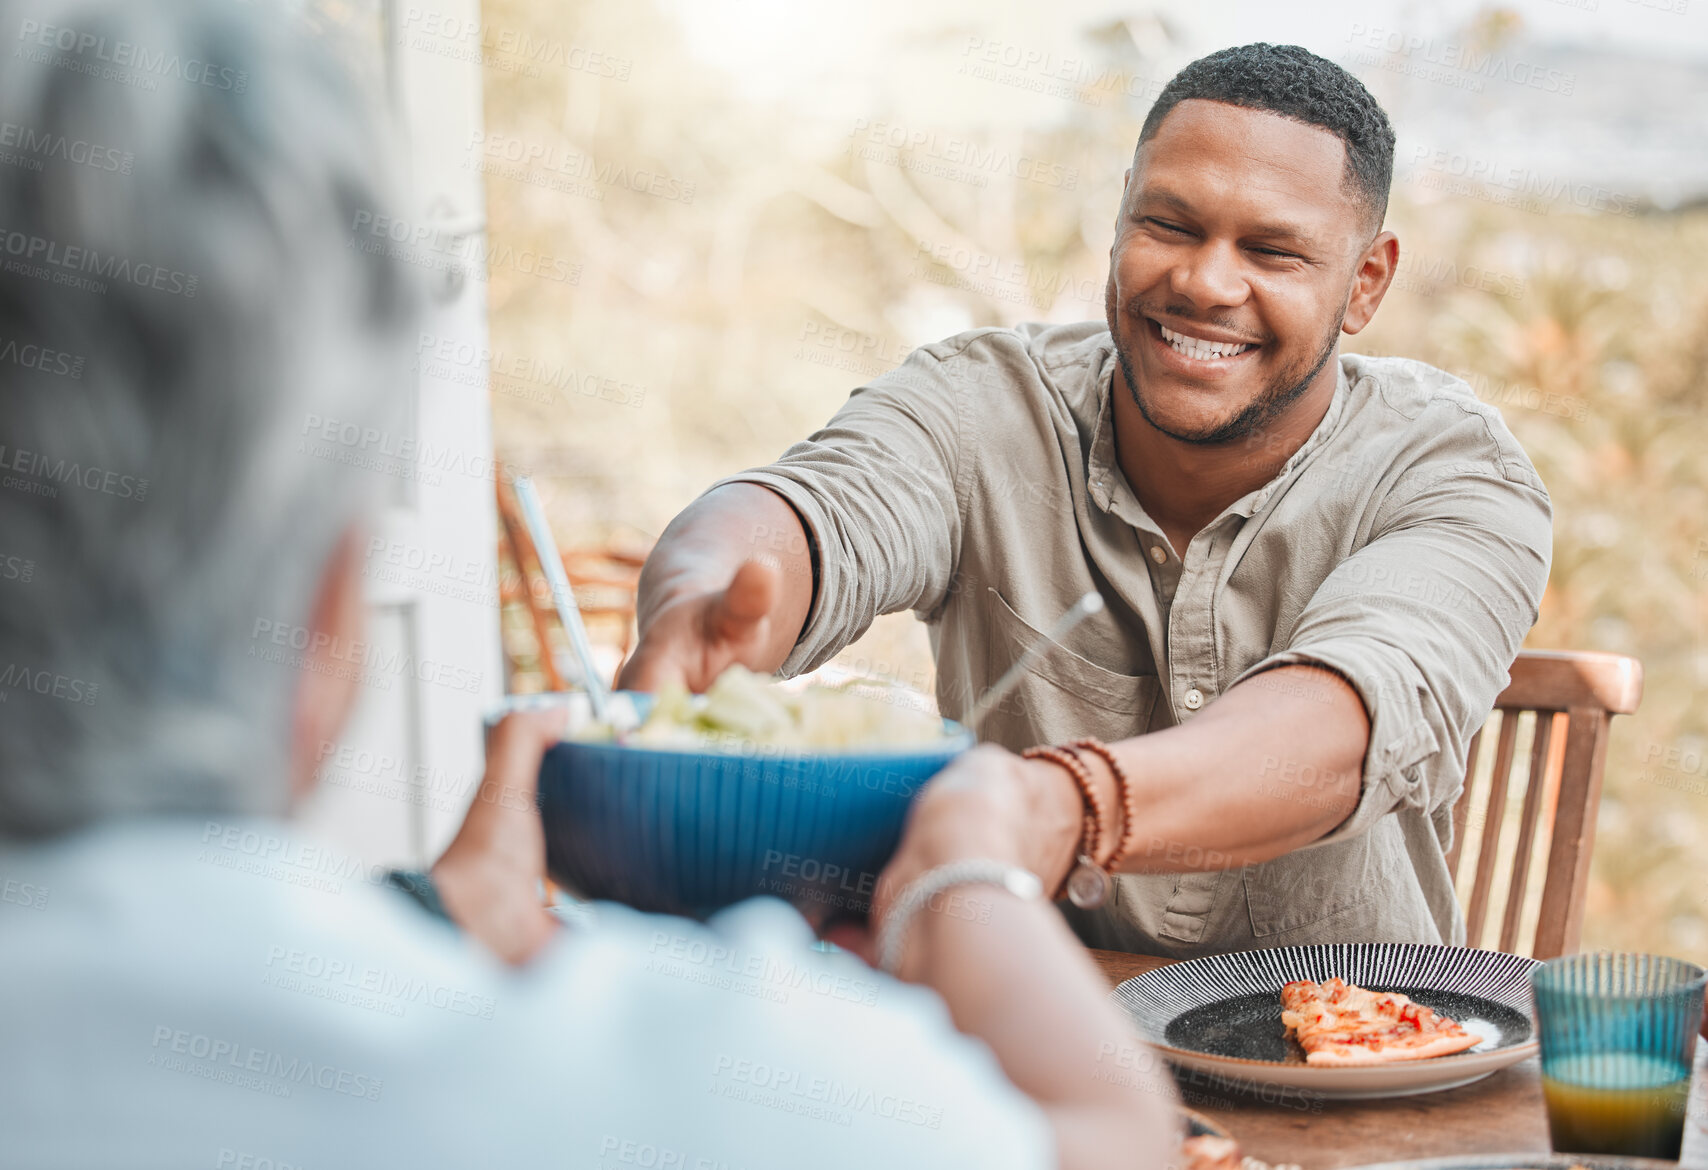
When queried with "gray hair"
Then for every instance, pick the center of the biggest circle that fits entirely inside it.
(183, 291)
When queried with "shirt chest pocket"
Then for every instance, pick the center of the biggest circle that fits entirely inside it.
(1064, 695)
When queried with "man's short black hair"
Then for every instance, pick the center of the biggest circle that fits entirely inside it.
(1295, 83)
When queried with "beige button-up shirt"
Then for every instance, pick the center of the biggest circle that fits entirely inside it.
(1405, 546)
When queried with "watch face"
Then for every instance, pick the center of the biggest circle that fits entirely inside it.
(1088, 886)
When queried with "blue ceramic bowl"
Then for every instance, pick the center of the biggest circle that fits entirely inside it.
(691, 832)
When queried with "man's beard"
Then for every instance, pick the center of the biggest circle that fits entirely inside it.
(1285, 390)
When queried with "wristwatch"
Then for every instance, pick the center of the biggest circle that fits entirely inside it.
(419, 886)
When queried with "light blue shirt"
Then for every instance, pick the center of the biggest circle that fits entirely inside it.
(184, 994)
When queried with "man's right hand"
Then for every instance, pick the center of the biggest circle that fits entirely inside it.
(691, 639)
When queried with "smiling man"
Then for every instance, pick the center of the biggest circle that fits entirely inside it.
(1316, 566)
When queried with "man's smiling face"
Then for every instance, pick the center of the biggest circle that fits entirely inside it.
(1232, 268)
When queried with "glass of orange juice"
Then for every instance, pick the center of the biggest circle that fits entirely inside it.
(1618, 1036)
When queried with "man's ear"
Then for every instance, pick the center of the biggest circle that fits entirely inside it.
(326, 684)
(1370, 283)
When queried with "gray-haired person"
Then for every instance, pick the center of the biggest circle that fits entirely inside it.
(184, 980)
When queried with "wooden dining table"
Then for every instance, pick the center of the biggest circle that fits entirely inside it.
(1503, 1113)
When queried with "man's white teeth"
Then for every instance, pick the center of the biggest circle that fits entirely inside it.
(1197, 347)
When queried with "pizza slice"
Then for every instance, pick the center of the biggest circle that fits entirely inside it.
(1210, 1152)
(1338, 1024)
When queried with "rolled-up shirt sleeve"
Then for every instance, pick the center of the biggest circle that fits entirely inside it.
(1423, 622)
(876, 489)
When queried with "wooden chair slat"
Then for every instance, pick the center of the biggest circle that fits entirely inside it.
(1462, 807)
(1574, 833)
(522, 551)
(1540, 753)
(1493, 818)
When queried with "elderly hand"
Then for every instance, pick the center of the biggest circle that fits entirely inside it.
(987, 804)
(489, 876)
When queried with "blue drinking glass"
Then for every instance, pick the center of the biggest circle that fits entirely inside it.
(1618, 1035)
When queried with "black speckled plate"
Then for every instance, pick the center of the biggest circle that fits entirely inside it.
(1528, 1162)
(1197, 1125)
(1221, 1015)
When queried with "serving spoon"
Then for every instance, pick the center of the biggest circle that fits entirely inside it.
(563, 597)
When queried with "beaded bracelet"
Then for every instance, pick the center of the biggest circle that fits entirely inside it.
(1088, 884)
(1129, 798)
(1091, 840)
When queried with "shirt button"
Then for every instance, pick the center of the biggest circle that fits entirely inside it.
(1194, 699)
(1157, 554)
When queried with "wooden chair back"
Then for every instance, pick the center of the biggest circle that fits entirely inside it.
(514, 540)
(1564, 703)
(606, 581)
